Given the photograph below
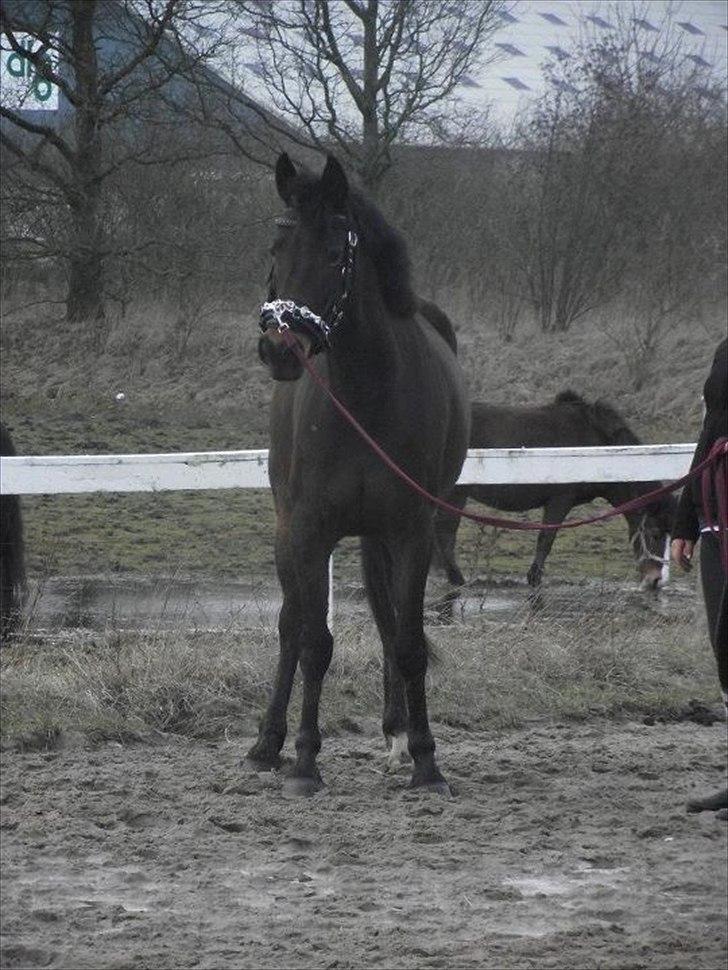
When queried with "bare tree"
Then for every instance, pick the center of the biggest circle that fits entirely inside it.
(360, 75)
(65, 166)
(596, 178)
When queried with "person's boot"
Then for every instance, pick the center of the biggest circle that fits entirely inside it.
(711, 803)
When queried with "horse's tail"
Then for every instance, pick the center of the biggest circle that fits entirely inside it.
(12, 552)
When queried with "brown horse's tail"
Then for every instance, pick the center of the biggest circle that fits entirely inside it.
(12, 553)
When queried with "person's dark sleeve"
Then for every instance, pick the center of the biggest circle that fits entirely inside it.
(715, 392)
(686, 525)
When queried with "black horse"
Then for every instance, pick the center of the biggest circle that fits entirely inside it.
(568, 421)
(346, 273)
(12, 554)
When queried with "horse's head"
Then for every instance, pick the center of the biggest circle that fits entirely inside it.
(313, 256)
(650, 537)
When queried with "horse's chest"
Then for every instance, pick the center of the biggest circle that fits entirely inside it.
(350, 492)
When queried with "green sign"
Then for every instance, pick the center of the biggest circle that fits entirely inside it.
(22, 85)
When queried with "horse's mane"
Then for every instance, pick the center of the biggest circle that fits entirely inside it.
(382, 243)
(604, 418)
(388, 252)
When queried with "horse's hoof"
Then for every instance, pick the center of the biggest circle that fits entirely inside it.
(432, 782)
(262, 758)
(711, 803)
(301, 787)
(440, 787)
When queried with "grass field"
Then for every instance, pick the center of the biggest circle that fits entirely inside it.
(227, 534)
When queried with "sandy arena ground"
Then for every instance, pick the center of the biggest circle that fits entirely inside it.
(566, 845)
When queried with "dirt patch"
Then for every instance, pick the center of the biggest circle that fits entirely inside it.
(566, 845)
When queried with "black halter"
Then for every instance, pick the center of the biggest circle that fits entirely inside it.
(287, 315)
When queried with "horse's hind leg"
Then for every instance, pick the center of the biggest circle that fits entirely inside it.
(411, 561)
(446, 529)
(377, 569)
(266, 751)
(554, 513)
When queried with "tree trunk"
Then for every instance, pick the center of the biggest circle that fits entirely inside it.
(370, 171)
(85, 297)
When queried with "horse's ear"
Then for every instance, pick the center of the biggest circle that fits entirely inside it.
(334, 184)
(285, 174)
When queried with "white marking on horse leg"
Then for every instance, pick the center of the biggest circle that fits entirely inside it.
(398, 753)
(665, 572)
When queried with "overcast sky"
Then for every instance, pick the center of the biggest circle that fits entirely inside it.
(540, 24)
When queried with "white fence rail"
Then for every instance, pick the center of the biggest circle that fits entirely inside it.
(75, 474)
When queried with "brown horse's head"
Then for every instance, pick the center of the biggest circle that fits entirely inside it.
(650, 537)
(308, 255)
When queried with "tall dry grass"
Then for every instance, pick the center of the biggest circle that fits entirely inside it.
(607, 658)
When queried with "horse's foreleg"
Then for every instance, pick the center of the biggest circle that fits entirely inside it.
(315, 650)
(266, 751)
(554, 512)
(377, 569)
(411, 560)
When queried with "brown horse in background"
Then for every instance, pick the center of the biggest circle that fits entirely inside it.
(567, 421)
(340, 283)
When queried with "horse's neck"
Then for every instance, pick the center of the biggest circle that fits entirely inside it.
(617, 493)
(363, 350)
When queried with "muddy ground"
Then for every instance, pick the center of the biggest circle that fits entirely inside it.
(566, 845)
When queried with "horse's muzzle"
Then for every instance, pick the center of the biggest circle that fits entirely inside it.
(654, 575)
(282, 362)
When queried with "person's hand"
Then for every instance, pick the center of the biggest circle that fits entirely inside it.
(681, 552)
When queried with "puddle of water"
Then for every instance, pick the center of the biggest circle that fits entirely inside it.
(93, 888)
(542, 885)
(561, 884)
(99, 604)
(136, 603)
(133, 604)
(550, 901)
